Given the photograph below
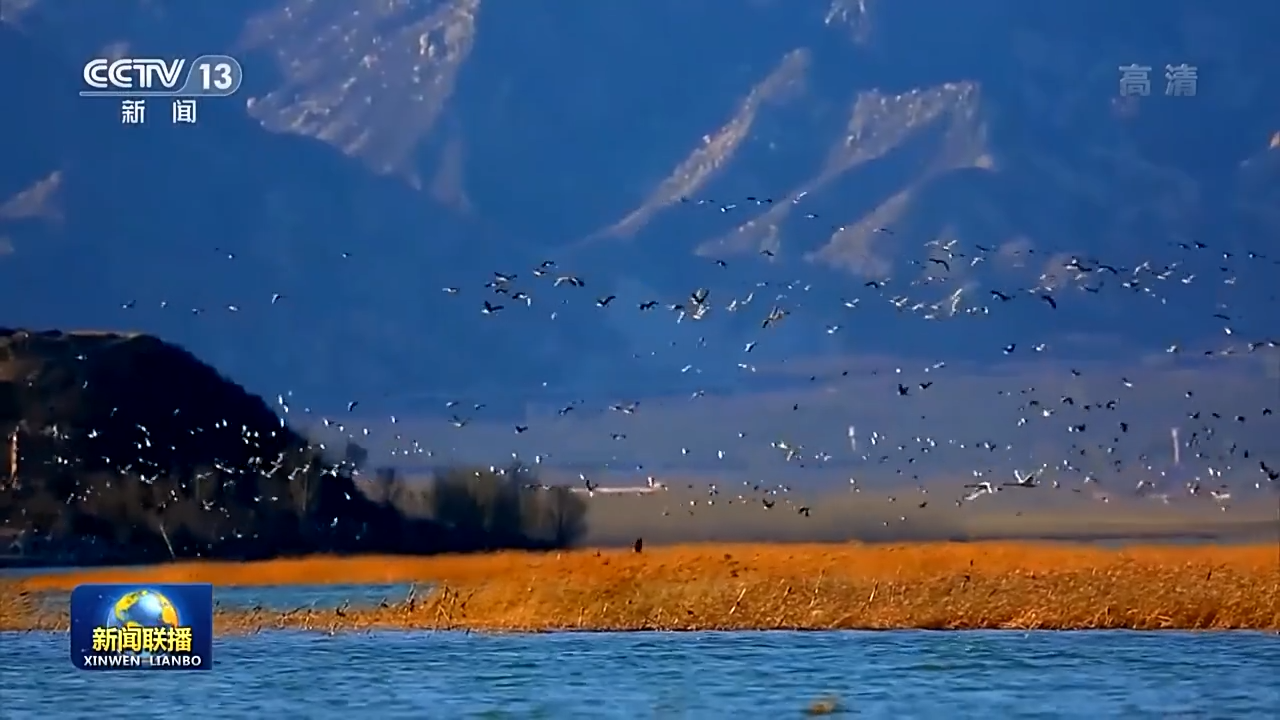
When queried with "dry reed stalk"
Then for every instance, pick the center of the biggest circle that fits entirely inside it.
(942, 586)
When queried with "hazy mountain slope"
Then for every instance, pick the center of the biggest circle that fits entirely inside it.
(437, 142)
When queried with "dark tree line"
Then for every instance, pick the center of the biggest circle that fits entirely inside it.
(131, 450)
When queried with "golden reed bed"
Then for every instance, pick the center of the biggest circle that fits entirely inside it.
(751, 587)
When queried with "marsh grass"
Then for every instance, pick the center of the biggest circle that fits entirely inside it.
(760, 587)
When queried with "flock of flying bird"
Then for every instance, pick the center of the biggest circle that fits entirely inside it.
(509, 293)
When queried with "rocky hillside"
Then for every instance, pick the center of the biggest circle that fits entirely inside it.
(129, 402)
(382, 150)
(124, 448)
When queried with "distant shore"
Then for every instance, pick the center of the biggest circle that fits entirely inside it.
(746, 587)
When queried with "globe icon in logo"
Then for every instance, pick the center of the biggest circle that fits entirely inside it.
(143, 608)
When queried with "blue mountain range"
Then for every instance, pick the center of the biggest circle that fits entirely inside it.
(818, 158)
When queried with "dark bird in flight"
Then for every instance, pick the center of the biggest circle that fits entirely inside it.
(1049, 299)
(1002, 296)
(490, 308)
(604, 301)
(940, 261)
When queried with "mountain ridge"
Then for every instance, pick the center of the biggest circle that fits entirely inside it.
(483, 138)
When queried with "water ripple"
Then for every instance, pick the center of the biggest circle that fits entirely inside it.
(904, 674)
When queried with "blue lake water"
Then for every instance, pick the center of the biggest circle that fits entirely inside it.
(287, 597)
(904, 674)
(909, 674)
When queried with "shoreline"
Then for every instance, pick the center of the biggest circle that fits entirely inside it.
(744, 587)
(1240, 534)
